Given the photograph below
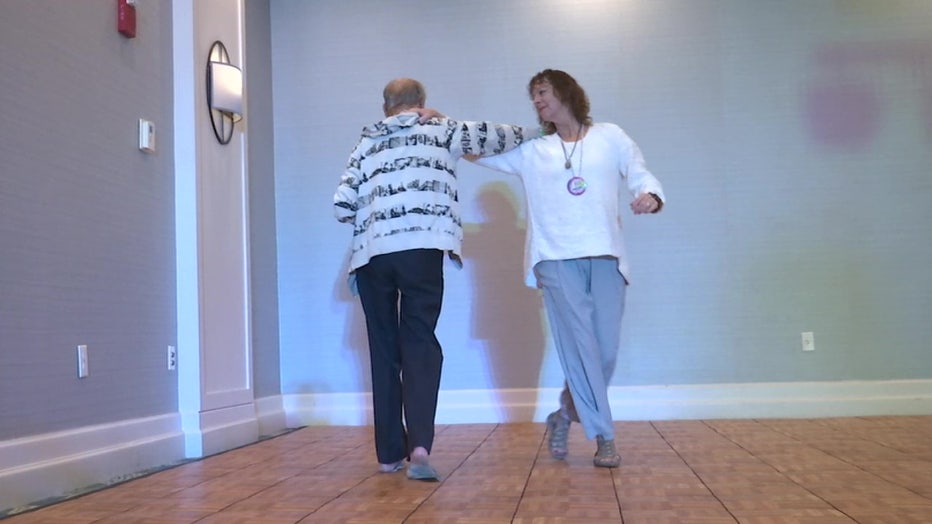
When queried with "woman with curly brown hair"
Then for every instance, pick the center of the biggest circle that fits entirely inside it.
(573, 179)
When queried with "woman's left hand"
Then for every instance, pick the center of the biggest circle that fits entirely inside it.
(645, 203)
(426, 113)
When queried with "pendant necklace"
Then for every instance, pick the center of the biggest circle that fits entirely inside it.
(576, 185)
(568, 158)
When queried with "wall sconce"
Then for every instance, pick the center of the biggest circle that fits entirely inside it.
(224, 92)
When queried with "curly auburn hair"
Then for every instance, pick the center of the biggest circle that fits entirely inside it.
(567, 90)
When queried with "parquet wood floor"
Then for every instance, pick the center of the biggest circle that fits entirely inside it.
(820, 471)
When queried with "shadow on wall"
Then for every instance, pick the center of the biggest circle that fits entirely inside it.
(506, 314)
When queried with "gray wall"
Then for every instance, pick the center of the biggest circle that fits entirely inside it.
(262, 250)
(793, 140)
(86, 219)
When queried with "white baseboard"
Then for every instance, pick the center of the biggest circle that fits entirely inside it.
(217, 430)
(271, 415)
(687, 402)
(773, 400)
(54, 465)
(39, 468)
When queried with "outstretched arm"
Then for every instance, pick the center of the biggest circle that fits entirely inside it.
(485, 138)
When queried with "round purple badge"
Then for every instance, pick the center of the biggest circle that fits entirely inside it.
(576, 185)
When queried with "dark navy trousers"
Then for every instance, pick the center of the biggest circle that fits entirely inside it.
(401, 295)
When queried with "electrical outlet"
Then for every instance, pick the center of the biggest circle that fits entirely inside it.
(172, 358)
(808, 341)
(82, 361)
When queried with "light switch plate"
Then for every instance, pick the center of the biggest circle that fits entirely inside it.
(146, 136)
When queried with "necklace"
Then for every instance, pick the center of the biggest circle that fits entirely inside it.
(568, 164)
(576, 185)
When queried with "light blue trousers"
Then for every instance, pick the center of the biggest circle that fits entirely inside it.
(585, 300)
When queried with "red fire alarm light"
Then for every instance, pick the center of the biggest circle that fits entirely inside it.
(126, 18)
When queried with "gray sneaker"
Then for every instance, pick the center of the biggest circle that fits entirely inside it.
(558, 428)
(605, 454)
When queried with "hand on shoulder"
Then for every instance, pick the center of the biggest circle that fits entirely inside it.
(426, 113)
